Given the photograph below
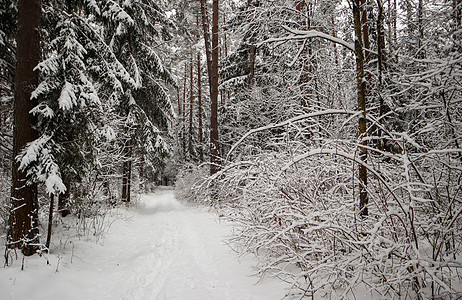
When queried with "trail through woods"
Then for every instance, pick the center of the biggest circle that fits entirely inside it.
(158, 250)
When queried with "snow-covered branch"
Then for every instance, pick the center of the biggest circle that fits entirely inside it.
(306, 34)
(288, 122)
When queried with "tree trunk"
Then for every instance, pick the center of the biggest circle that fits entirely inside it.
(205, 28)
(141, 171)
(214, 146)
(212, 68)
(183, 118)
(23, 229)
(127, 174)
(365, 32)
(420, 14)
(191, 100)
(50, 221)
(395, 27)
(179, 119)
(361, 90)
(389, 26)
(252, 52)
(199, 104)
(380, 50)
(334, 34)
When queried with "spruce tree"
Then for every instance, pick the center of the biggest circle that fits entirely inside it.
(23, 230)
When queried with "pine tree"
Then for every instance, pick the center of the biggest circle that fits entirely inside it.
(23, 222)
(135, 28)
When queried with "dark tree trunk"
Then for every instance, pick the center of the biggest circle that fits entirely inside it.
(395, 30)
(199, 104)
(23, 229)
(50, 221)
(334, 34)
(179, 119)
(252, 52)
(214, 146)
(127, 174)
(380, 50)
(361, 90)
(365, 32)
(212, 68)
(141, 170)
(191, 100)
(420, 24)
(183, 117)
(205, 28)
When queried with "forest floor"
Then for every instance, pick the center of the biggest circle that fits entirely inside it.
(158, 249)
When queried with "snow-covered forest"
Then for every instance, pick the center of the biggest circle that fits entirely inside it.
(313, 144)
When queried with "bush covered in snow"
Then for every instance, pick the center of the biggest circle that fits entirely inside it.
(298, 212)
(190, 185)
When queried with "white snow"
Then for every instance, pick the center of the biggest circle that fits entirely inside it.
(159, 250)
(67, 99)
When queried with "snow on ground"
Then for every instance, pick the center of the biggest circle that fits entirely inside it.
(158, 250)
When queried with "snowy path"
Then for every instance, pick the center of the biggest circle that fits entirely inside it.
(163, 251)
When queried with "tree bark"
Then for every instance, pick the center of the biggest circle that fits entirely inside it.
(380, 50)
(252, 52)
(361, 96)
(212, 68)
(214, 142)
(365, 32)
(183, 118)
(191, 100)
(420, 19)
(199, 104)
(199, 96)
(23, 229)
(205, 28)
(141, 172)
(395, 30)
(334, 34)
(389, 27)
(127, 174)
(50, 221)
(179, 119)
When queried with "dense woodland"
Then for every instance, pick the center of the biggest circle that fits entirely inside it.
(329, 132)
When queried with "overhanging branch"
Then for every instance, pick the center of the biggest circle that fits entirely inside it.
(306, 34)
